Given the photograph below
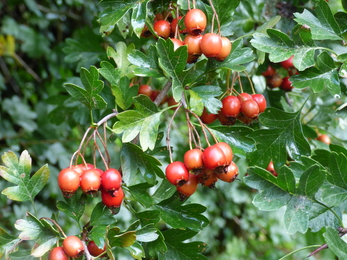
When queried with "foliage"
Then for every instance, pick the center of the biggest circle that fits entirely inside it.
(69, 89)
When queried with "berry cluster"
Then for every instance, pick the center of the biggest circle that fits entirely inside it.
(205, 167)
(275, 80)
(211, 45)
(73, 247)
(244, 107)
(91, 180)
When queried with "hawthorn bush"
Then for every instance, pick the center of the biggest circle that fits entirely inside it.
(209, 129)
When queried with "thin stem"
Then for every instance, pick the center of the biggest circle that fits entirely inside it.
(215, 15)
(27, 67)
(34, 207)
(189, 130)
(56, 224)
(99, 150)
(194, 4)
(86, 251)
(293, 252)
(250, 82)
(331, 210)
(202, 127)
(168, 131)
(239, 79)
(212, 22)
(163, 93)
(188, 4)
(106, 161)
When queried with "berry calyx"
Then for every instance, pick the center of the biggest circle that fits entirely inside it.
(211, 45)
(190, 186)
(231, 173)
(208, 118)
(58, 253)
(111, 180)
(113, 200)
(162, 28)
(68, 181)
(213, 157)
(177, 173)
(94, 250)
(195, 21)
(250, 109)
(73, 246)
(193, 159)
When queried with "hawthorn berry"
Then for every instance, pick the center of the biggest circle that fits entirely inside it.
(231, 106)
(73, 246)
(94, 250)
(90, 181)
(250, 109)
(324, 139)
(271, 168)
(195, 21)
(228, 152)
(275, 81)
(177, 173)
(261, 101)
(243, 97)
(80, 168)
(286, 84)
(210, 181)
(193, 43)
(190, 186)
(113, 200)
(174, 25)
(58, 253)
(145, 90)
(111, 180)
(213, 157)
(230, 174)
(225, 120)
(192, 159)
(68, 181)
(287, 64)
(211, 45)
(270, 71)
(226, 49)
(162, 28)
(208, 118)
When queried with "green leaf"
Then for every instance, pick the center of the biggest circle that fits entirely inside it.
(280, 47)
(323, 75)
(164, 191)
(236, 137)
(310, 181)
(88, 95)
(283, 132)
(323, 26)
(120, 57)
(125, 239)
(97, 234)
(124, 94)
(138, 18)
(338, 170)
(101, 216)
(157, 246)
(173, 63)
(335, 243)
(195, 103)
(146, 65)
(189, 76)
(296, 217)
(149, 217)
(7, 242)
(18, 172)
(208, 94)
(147, 234)
(134, 159)
(109, 72)
(145, 121)
(322, 217)
(225, 11)
(177, 249)
(237, 57)
(73, 207)
(136, 250)
(182, 216)
(140, 194)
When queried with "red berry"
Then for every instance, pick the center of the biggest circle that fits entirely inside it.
(271, 169)
(190, 186)
(210, 181)
(275, 81)
(211, 45)
(243, 119)
(113, 200)
(287, 64)
(174, 24)
(226, 49)
(270, 71)
(213, 157)
(68, 181)
(171, 102)
(324, 138)
(90, 181)
(250, 109)
(58, 253)
(94, 250)
(243, 97)
(228, 152)
(193, 43)
(73, 246)
(208, 118)
(193, 159)
(177, 43)
(195, 21)
(231, 106)
(261, 101)
(145, 90)
(230, 174)
(162, 28)
(111, 180)
(286, 84)
(80, 168)
(225, 120)
(177, 173)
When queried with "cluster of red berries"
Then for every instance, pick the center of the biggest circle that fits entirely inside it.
(91, 180)
(244, 107)
(73, 247)
(211, 45)
(275, 80)
(205, 167)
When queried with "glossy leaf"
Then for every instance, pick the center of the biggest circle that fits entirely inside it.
(120, 57)
(140, 194)
(101, 216)
(109, 72)
(283, 132)
(124, 93)
(323, 75)
(17, 171)
(138, 17)
(208, 95)
(147, 234)
(322, 25)
(335, 243)
(158, 246)
(310, 181)
(296, 217)
(73, 207)
(7, 242)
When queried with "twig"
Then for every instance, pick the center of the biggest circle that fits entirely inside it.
(168, 131)
(163, 93)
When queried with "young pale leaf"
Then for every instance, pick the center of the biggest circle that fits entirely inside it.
(335, 243)
(147, 234)
(177, 249)
(323, 75)
(7, 242)
(296, 217)
(280, 47)
(123, 93)
(146, 65)
(284, 131)
(18, 172)
(145, 120)
(89, 95)
(173, 63)
(323, 26)
(73, 207)
(120, 57)
(236, 58)
(134, 159)
(125, 239)
(208, 94)
(138, 17)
